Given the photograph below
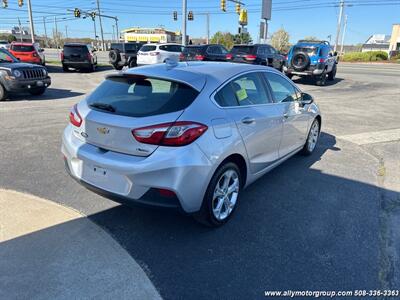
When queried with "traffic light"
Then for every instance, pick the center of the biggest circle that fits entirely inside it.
(243, 17)
(175, 15)
(5, 3)
(93, 15)
(237, 8)
(190, 16)
(223, 5)
(20, 3)
(77, 13)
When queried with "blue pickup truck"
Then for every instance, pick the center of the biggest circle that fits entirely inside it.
(315, 59)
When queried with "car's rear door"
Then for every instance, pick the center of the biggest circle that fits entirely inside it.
(259, 121)
(295, 117)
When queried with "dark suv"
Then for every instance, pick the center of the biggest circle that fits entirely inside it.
(16, 77)
(78, 56)
(123, 54)
(211, 52)
(259, 54)
(312, 58)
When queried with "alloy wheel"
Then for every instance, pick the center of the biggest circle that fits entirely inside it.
(313, 136)
(225, 194)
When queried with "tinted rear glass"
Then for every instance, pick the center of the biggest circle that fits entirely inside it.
(242, 49)
(141, 96)
(131, 47)
(22, 48)
(308, 50)
(193, 50)
(75, 50)
(148, 48)
(171, 48)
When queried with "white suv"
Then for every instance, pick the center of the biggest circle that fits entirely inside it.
(158, 53)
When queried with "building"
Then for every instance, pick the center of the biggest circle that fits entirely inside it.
(151, 35)
(395, 39)
(21, 34)
(377, 42)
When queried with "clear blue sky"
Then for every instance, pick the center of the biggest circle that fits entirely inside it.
(299, 17)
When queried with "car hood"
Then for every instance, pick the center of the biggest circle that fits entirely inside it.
(13, 66)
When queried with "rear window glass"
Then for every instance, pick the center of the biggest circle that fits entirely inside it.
(193, 50)
(171, 48)
(75, 50)
(309, 50)
(148, 48)
(22, 48)
(242, 49)
(131, 47)
(140, 96)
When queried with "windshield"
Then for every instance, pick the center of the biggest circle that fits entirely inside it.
(139, 96)
(309, 50)
(22, 48)
(6, 56)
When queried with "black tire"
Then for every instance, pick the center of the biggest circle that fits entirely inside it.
(3, 93)
(300, 61)
(37, 91)
(321, 79)
(332, 74)
(206, 216)
(290, 76)
(308, 149)
(114, 56)
(65, 68)
(117, 67)
(132, 63)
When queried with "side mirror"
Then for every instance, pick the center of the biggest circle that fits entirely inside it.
(335, 53)
(306, 98)
(41, 50)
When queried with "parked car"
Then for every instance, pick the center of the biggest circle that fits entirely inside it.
(123, 54)
(167, 135)
(4, 44)
(258, 54)
(314, 59)
(158, 53)
(17, 77)
(28, 52)
(210, 52)
(78, 56)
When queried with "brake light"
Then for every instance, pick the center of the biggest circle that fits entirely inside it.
(62, 55)
(35, 54)
(229, 56)
(181, 57)
(250, 57)
(180, 133)
(286, 57)
(199, 57)
(74, 116)
(166, 193)
(321, 60)
(154, 53)
(89, 56)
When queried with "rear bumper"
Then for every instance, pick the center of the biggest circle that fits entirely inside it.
(311, 70)
(77, 64)
(15, 86)
(132, 179)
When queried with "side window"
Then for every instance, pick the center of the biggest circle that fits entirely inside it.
(226, 97)
(217, 50)
(272, 50)
(282, 89)
(250, 89)
(223, 50)
(211, 50)
(261, 50)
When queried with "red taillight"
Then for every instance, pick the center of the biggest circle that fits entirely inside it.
(34, 54)
(229, 56)
(170, 134)
(166, 193)
(250, 57)
(321, 60)
(199, 57)
(181, 57)
(154, 53)
(89, 56)
(74, 116)
(62, 55)
(286, 57)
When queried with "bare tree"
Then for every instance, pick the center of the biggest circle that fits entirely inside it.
(280, 40)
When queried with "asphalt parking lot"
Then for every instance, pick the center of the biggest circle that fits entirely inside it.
(325, 222)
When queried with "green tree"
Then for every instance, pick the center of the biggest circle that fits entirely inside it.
(280, 40)
(244, 38)
(8, 37)
(223, 38)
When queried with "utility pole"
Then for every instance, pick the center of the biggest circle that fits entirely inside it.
(113, 33)
(101, 26)
(45, 33)
(344, 34)
(31, 21)
(20, 29)
(116, 27)
(55, 32)
(339, 25)
(208, 28)
(184, 16)
(66, 32)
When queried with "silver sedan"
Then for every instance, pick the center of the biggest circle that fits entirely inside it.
(190, 136)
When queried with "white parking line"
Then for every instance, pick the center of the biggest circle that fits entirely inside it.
(373, 137)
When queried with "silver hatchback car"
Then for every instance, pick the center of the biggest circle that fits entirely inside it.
(187, 135)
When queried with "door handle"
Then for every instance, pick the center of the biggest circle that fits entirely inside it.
(248, 120)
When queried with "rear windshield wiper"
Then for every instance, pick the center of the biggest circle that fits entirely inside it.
(103, 106)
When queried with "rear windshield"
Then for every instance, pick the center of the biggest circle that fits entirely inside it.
(75, 50)
(309, 50)
(139, 96)
(22, 48)
(242, 49)
(148, 48)
(193, 50)
(131, 47)
(171, 48)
